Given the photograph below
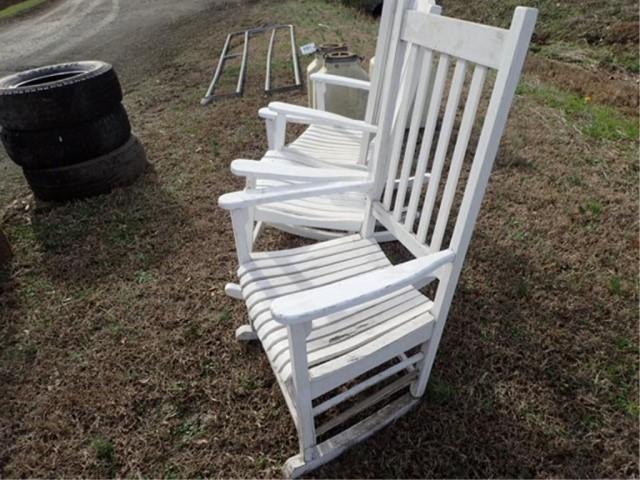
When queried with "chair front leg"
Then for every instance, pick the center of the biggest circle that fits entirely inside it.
(302, 389)
(269, 125)
(242, 233)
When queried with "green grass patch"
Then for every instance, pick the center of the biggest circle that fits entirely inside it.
(19, 8)
(596, 121)
(104, 449)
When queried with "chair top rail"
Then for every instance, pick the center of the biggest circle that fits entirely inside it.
(452, 36)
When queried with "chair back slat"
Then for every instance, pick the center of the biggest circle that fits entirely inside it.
(453, 101)
(464, 52)
(400, 119)
(423, 88)
(457, 159)
(427, 139)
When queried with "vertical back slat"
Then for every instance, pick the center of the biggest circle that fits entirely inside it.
(414, 129)
(383, 47)
(387, 106)
(427, 139)
(457, 160)
(443, 145)
(407, 93)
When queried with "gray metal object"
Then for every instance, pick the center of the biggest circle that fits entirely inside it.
(225, 55)
(294, 59)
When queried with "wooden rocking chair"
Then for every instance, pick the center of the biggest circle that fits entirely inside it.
(340, 325)
(330, 142)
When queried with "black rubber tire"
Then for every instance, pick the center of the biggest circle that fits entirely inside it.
(60, 147)
(93, 177)
(58, 96)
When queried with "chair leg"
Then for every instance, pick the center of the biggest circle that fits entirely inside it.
(233, 290)
(246, 333)
(338, 444)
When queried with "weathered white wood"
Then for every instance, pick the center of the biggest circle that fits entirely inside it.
(329, 375)
(242, 234)
(427, 139)
(244, 333)
(369, 382)
(320, 117)
(332, 326)
(462, 142)
(474, 42)
(302, 396)
(422, 89)
(399, 231)
(349, 82)
(366, 403)
(233, 290)
(400, 122)
(449, 118)
(252, 198)
(301, 307)
(329, 314)
(515, 52)
(268, 170)
(335, 446)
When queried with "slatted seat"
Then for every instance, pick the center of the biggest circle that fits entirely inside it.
(346, 332)
(324, 146)
(340, 212)
(333, 338)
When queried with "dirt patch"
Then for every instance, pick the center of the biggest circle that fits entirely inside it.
(620, 91)
(117, 355)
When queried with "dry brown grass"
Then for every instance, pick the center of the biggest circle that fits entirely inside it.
(117, 355)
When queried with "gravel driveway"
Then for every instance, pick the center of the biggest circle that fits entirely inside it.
(131, 34)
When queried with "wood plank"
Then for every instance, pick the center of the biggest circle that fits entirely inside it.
(270, 331)
(414, 130)
(457, 159)
(304, 306)
(335, 446)
(453, 100)
(368, 383)
(400, 121)
(332, 374)
(477, 43)
(368, 402)
(427, 140)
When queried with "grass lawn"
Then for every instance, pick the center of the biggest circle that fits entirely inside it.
(117, 355)
(16, 8)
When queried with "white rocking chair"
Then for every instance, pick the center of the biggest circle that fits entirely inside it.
(330, 142)
(340, 325)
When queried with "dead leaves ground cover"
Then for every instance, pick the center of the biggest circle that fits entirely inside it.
(117, 355)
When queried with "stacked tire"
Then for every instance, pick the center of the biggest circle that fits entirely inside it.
(66, 127)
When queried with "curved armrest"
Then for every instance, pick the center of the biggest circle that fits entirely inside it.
(340, 81)
(276, 171)
(305, 115)
(309, 304)
(267, 114)
(261, 196)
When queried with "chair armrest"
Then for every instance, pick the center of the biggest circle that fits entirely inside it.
(340, 81)
(266, 113)
(305, 115)
(278, 171)
(309, 304)
(261, 196)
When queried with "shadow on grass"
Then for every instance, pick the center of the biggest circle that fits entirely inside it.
(505, 385)
(110, 236)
